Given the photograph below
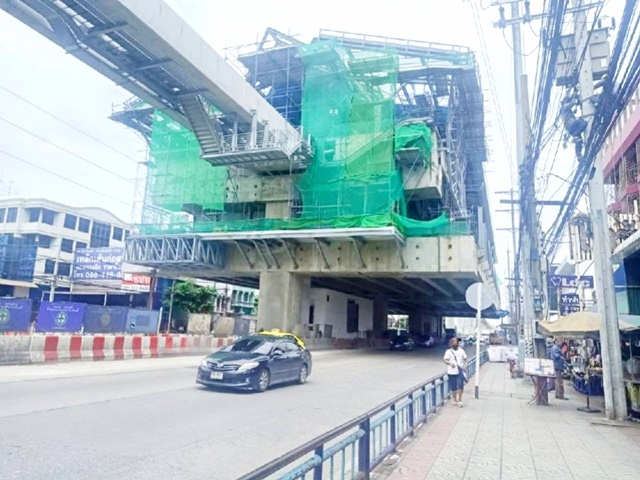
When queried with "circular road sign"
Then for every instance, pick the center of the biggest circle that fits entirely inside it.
(486, 296)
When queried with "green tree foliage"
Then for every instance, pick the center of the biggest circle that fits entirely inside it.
(190, 298)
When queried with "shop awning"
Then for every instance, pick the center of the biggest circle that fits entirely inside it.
(580, 324)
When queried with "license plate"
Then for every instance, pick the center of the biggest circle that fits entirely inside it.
(216, 376)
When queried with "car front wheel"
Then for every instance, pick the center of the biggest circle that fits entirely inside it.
(264, 379)
(303, 374)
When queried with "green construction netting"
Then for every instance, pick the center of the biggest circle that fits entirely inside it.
(177, 177)
(353, 180)
(415, 136)
(437, 227)
(348, 108)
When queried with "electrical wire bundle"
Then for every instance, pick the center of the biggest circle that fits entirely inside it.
(550, 43)
(617, 89)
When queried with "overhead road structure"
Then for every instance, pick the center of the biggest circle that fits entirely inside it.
(412, 274)
(148, 49)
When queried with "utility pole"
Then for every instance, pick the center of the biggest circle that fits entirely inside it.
(614, 391)
(54, 282)
(529, 271)
(515, 288)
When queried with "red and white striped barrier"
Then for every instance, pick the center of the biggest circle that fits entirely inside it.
(55, 348)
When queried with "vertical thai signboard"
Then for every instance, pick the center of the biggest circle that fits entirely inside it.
(569, 303)
(54, 317)
(15, 314)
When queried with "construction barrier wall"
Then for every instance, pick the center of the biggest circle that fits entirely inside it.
(34, 348)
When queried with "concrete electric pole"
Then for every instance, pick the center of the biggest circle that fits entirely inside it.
(529, 271)
(614, 392)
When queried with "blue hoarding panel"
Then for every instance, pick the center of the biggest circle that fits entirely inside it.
(98, 264)
(142, 321)
(15, 314)
(60, 317)
(99, 319)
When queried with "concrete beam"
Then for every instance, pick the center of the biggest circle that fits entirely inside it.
(435, 257)
(163, 31)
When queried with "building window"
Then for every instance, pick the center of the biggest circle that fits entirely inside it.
(44, 241)
(84, 224)
(12, 215)
(64, 269)
(30, 238)
(49, 267)
(80, 245)
(117, 234)
(66, 245)
(48, 216)
(34, 215)
(100, 235)
(70, 221)
(2, 210)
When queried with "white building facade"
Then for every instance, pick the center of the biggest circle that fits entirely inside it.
(58, 231)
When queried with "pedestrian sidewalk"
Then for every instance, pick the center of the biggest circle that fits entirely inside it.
(501, 437)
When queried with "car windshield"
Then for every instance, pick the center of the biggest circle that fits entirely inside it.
(251, 345)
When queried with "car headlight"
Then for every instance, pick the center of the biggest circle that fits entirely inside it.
(245, 367)
(204, 363)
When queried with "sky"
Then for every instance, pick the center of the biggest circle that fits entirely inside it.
(57, 142)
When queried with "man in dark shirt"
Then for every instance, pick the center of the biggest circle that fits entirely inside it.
(555, 353)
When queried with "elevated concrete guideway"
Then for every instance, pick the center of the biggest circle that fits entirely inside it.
(419, 276)
(147, 48)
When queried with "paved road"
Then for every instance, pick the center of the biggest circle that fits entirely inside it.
(146, 419)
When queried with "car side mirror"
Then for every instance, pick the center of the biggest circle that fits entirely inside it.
(277, 352)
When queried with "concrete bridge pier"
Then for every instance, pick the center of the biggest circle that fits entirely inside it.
(284, 300)
(380, 314)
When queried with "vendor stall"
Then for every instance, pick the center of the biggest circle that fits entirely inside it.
(581, 330)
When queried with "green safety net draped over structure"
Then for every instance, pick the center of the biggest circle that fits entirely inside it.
(348, 108)
(178, 179)
(353, 181)
(415, 136)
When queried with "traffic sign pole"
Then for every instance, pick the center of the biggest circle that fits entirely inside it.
(480, 298)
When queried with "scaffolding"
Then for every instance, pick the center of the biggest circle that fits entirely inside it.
(375, 108)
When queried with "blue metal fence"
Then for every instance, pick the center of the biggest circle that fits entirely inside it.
(354, 449)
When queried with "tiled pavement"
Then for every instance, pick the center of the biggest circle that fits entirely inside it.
(500, 437)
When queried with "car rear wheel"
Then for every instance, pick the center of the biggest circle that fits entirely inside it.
(264, 379)
(303, 374)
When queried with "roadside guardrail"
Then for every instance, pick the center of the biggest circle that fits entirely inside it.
(354, 449)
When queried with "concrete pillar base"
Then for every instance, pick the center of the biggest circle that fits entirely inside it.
(284, 301)
(380, 314)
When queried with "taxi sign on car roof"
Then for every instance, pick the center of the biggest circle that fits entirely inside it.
(277, 333)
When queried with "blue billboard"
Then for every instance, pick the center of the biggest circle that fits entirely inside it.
(15, 314)
(60, 317)
(98, 263)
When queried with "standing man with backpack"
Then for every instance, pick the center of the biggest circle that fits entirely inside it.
(456, 360)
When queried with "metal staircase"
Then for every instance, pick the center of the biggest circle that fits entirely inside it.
(203, 124)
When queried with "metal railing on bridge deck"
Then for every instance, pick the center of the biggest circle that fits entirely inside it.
(354, 449)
